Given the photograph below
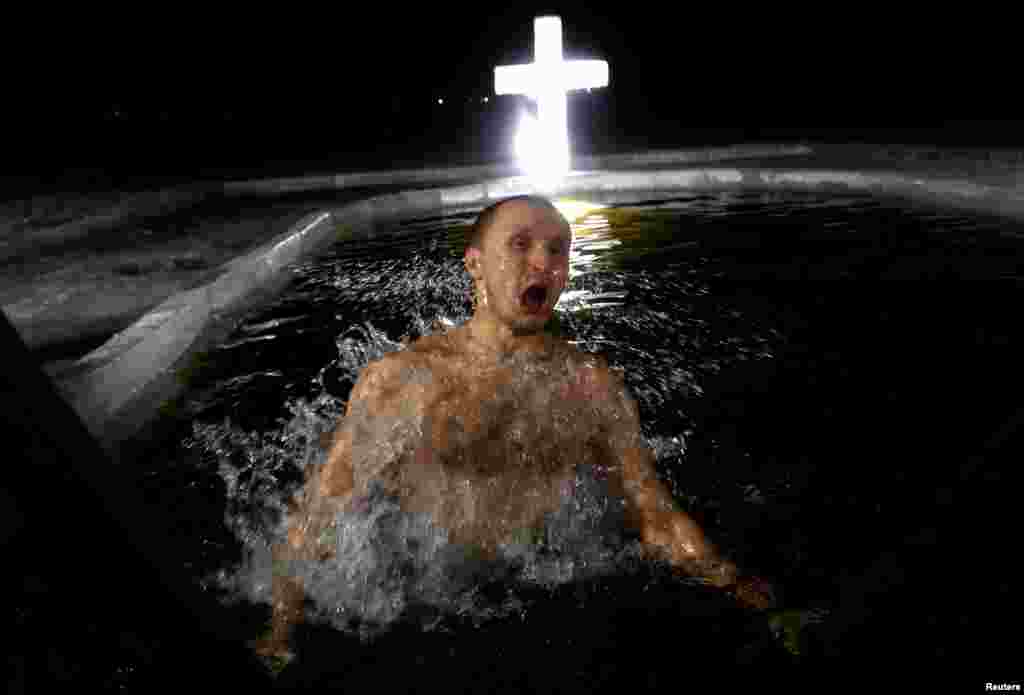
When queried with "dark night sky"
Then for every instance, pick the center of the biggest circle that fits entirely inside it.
(832, 56)
(210, 88)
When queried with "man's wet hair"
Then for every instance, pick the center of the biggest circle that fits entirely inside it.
(486, 218)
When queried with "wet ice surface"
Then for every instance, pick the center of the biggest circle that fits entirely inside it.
(782, 350)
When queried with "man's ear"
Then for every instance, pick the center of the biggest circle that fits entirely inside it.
(472, 261)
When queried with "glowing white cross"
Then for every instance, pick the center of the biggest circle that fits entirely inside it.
(544, 149)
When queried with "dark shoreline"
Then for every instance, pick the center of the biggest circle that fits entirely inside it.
(135, 162)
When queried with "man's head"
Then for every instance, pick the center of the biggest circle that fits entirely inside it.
(518, 257)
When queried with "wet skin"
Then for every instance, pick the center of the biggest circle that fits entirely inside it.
(483, 427)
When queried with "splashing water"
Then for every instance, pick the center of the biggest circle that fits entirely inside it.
(390, 564)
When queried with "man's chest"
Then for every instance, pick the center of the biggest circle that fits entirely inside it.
(506, 424)
(487, 454)
(499, 445)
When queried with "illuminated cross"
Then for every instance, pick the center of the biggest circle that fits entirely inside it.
(546, 80)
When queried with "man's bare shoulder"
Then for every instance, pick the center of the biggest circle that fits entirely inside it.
(416, 366)
(592, 364)
(378, 377)
(577, 356)
(432, 345)
(599, 382)
(390, 377)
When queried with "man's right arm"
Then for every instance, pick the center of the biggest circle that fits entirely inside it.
(352, 449)
(334, 481)
(326, 491)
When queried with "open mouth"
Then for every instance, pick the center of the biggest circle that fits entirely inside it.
(534, 297)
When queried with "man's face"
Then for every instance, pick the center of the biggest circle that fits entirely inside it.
(524, 265)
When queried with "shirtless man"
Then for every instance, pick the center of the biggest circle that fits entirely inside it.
(482, 426)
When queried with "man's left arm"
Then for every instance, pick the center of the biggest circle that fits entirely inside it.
(664, 527)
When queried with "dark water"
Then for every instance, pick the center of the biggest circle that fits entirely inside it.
(819, 378)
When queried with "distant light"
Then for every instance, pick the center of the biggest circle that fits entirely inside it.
(440, 101)
(543, 143)
(485, 100)
(528, 145)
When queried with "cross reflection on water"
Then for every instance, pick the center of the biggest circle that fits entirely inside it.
(770, 341)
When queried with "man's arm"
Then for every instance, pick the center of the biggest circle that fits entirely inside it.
(353, 443)
(664, 527)
(326, 491)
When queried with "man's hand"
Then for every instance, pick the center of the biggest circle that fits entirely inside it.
(664, 527)
(274, 654)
